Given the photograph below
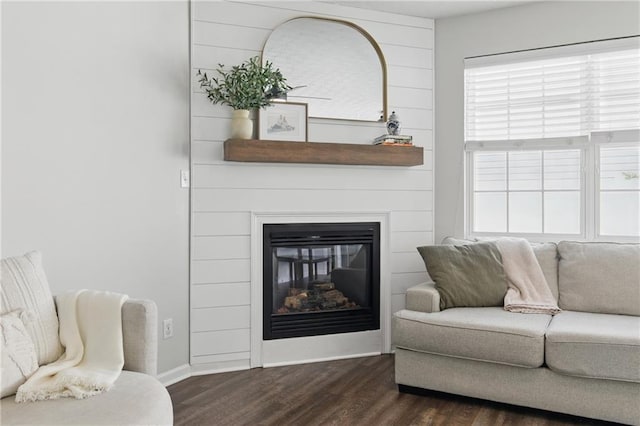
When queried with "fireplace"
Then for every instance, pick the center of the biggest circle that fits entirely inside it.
(320, 278)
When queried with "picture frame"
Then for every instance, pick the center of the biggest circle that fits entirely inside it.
(284, 121)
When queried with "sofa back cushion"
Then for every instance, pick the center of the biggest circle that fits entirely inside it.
(25, 287)
(599, 277)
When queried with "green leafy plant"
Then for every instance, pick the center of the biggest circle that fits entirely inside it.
(246, 86)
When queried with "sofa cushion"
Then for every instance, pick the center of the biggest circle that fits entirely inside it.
(483, 334)
(134, 399)
(466, 275)
(19, 358)
(599, 277)
(546, 254)
(25, 287)
(602, 346)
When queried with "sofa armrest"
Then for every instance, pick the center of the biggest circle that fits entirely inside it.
(140, 336)
(423, 297)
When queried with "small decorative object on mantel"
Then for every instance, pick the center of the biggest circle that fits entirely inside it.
(283, 121)
(244, 87)
(393, 124)
(395, 140)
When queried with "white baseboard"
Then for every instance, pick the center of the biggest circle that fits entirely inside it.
(175, 375)
(185, 371)
(309, 361)
(220, 367)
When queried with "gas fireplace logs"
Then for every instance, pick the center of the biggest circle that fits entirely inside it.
(320, 297)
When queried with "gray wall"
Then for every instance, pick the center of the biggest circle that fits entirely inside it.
(95, 114)
(521, 27)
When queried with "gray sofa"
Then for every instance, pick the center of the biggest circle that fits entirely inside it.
(137, 397)
(584, 361)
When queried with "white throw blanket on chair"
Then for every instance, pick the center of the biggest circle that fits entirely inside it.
(528, 291)
(91, 332)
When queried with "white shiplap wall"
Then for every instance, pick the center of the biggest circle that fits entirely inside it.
(224, 193)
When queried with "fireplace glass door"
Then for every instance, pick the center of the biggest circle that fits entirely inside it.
(320, 279)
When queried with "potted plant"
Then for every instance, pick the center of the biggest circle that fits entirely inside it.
(244, 87)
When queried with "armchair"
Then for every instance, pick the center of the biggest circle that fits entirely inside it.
(137, 397)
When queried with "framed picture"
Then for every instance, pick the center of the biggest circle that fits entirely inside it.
(283, 121)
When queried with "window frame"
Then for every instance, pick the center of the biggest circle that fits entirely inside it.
(470, 193)
(597, 235)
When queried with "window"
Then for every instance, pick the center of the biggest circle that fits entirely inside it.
(619, 190)
(527, 192)
(552, 140)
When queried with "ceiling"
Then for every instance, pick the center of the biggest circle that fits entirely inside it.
(432, 9)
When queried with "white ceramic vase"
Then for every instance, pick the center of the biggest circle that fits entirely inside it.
(241, 124)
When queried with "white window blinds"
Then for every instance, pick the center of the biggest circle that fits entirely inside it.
(555, 97)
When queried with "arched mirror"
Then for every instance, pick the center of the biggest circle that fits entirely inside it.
(334, 66)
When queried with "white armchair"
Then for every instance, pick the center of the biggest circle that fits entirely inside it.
(137, 397)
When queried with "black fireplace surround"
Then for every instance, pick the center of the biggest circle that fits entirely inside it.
(320, 278)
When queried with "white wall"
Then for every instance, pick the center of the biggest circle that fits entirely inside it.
(95, 113)
(225, 193)
(516, 28)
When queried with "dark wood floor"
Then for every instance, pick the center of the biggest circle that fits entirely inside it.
(358, 391)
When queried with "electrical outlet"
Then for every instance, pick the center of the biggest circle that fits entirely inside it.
(184, 179)
(167, 328)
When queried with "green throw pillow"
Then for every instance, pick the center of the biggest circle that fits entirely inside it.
(466, 275)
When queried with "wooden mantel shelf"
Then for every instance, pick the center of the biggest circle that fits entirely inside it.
(262, 151)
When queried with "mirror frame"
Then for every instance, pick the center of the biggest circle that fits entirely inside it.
(374, 44)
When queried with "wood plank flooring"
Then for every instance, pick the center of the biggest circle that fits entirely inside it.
(358, 391)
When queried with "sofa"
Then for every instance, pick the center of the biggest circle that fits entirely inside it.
(136, 398)
(584, 361)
